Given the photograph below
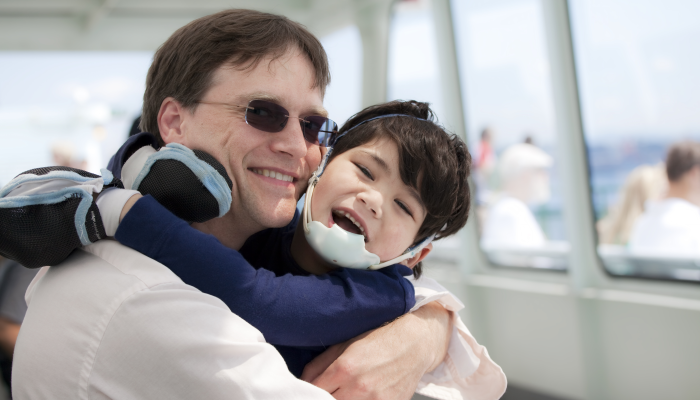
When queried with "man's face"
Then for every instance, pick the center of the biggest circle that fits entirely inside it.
(362, 192)
(259, 163)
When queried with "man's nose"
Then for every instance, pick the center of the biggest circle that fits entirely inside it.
(372, 200)
(290, 140)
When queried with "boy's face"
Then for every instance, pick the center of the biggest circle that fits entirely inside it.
(363, 184)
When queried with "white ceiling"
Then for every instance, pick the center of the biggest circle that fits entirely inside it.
(142, 24)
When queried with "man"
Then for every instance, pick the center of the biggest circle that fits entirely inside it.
(110, 323)
(672, 226)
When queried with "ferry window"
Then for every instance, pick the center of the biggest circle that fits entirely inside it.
(506, 90)
(413, 74)
(413, 56)
(344, 94)
(69, 108)
(640, 96)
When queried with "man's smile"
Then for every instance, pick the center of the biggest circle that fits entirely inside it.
(273, 174)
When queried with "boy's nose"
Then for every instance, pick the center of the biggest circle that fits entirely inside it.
(372, 200)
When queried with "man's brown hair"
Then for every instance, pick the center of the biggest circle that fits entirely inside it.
(681, 158)
(434, 162)
(183, 66)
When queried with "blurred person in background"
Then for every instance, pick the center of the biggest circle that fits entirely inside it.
(645, 183)
(671, 226)
(484, 161)
(524, 173)
(63, 154)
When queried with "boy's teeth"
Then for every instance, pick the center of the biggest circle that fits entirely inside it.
(273, 174)
(348, 216)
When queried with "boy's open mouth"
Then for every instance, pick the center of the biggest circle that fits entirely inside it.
(348, 223)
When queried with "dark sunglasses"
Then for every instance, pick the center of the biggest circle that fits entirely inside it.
(270, 117)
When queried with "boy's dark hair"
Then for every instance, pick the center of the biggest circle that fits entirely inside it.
(432, 161)
(183, 66)
(681, 158)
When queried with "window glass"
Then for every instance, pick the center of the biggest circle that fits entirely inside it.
(506, 90)
(413, 56)
(70, 108)
(637, 64)
(344, 94)
(413, 74)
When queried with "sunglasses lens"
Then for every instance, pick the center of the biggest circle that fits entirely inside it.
(270, 117)
(319, 130)
(266, 116)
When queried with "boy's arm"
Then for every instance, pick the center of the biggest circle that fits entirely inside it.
(289, 310)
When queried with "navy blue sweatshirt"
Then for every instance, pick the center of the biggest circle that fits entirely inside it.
(300, 314)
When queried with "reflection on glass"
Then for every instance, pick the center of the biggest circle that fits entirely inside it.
(671, 226)
(505, 79)
(638, 76)
(343, 95)
(413, 57)
(524, 176)
(67, 108)
(644, 184)
(413, 74)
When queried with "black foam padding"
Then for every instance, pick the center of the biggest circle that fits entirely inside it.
(209, 159)
(177, 188)
(45, 234)
(46, 170)
(42, 234)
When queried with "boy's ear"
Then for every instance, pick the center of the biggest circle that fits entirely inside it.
(170, 118)
(411, 262)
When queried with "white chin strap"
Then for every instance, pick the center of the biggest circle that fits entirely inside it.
(342, 248)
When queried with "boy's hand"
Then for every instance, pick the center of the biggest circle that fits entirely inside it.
(386, 363)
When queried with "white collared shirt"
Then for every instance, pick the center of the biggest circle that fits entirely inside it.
(110, 323)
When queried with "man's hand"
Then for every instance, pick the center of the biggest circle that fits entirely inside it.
(386, 363)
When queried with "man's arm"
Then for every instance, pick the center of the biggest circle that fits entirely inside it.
(388, 362)
(404, 348)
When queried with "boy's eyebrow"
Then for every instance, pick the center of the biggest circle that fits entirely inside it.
(383, 165)
(378, 160)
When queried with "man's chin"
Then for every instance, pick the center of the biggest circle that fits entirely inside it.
(279, 216)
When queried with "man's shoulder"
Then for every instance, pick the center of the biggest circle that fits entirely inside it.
(116, 258)
(101, 270)
(104, 311)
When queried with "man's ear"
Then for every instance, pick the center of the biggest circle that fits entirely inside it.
(411, 262)
(170, 118)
